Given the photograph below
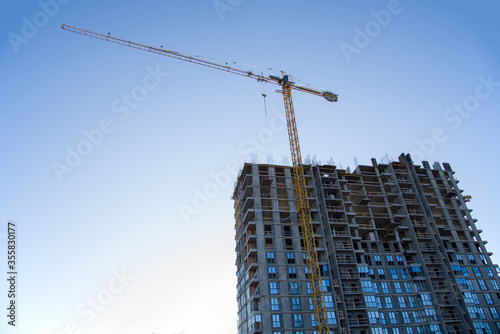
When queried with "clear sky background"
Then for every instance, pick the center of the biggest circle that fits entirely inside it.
(137, 236)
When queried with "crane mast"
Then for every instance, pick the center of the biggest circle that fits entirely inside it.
(303, 207)
(305, 217)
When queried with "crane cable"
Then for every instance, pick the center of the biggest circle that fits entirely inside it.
(264, 95)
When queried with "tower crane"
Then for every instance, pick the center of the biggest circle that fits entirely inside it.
(303, 208)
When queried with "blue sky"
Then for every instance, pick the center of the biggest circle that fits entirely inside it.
(412, 76)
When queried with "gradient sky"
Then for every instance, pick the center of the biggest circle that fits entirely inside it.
(412, 76)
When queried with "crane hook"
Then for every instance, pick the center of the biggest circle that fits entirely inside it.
(265, 106)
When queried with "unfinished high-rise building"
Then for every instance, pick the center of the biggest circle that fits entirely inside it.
(398, 249)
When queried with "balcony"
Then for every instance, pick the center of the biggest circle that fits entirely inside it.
(256, 327)
(334, 221)
(451, 318)
(364, 201)
(437, 274)
(441, 288)
(352, 290)
(335, 208)
(254, 281)
(346, 259)
(340, 233)
(423, 235)
(350, 305)
(349, 275)
(359, 322)
(249, 216)
(342, 245)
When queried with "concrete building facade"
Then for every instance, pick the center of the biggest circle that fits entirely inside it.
(398, 249)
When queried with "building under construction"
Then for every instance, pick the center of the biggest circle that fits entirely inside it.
(397, 247)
